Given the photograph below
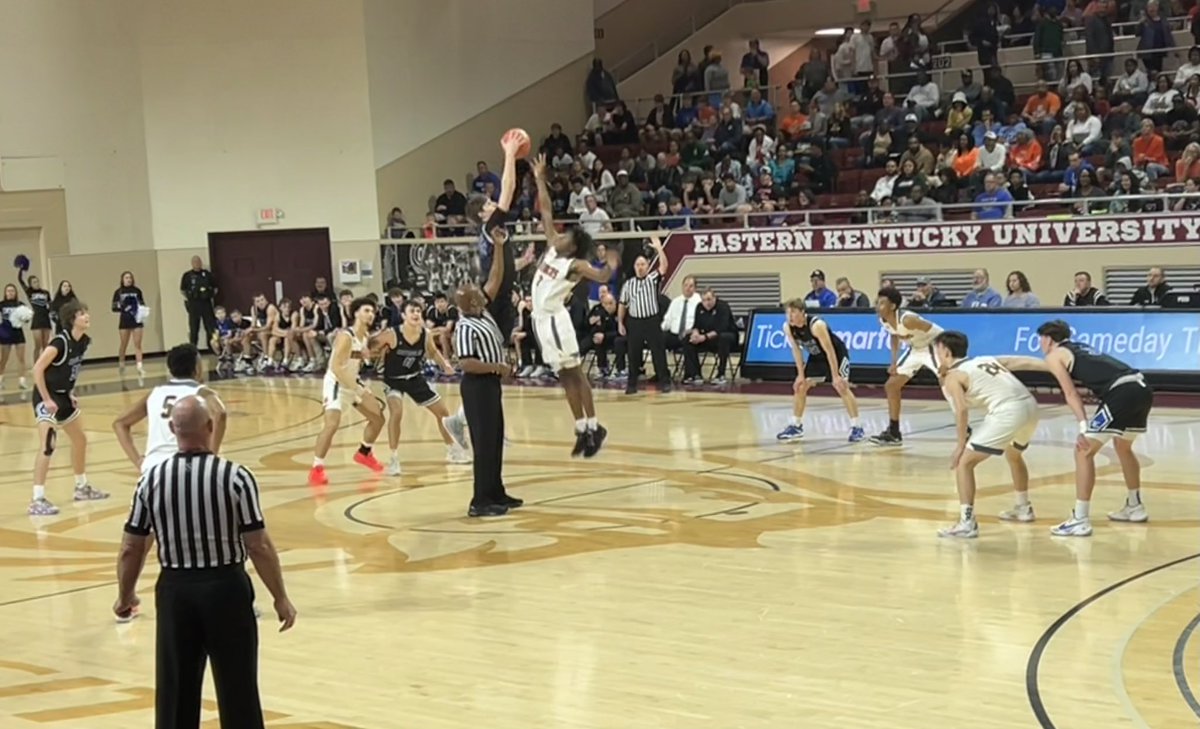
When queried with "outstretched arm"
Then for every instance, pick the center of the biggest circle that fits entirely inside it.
(496, 275)
(659, 254)
(508, 179)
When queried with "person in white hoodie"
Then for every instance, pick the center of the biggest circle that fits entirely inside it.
(884, 185)
(1189, 69)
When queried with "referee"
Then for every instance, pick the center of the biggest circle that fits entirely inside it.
(481, 354)
(205, 514)
(639, 319)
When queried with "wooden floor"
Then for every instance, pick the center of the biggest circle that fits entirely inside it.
(696, 574)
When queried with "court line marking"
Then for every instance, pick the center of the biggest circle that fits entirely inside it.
(1118, 659)
(60, 593)
(1181, 679)
(1032, 667)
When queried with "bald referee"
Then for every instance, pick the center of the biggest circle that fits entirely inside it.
(205, 513)
(639, 318)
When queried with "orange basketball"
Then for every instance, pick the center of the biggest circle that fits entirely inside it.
(525, 146)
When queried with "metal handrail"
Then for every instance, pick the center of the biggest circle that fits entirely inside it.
(639, 224)
(1072, 30)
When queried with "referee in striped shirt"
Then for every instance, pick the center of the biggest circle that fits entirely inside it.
(205, 513)
(639, 318)
(481, 354)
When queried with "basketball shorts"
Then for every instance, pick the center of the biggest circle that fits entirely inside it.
(1124, 411)
(416, 387)
(66, 409)
(334, 395)
(556, 337)
(816, 369)
(1011, 424)
(913, 360)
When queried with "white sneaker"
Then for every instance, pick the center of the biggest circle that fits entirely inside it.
(457, 428)
(1073, 528)
(393, 467)
(22, 384)
(961, 530)
(1020, 512)
(141, 370)
(455, 454)
(42, 507)
(525, 371)
(539, 371)
(309, 366)
(1136, 513)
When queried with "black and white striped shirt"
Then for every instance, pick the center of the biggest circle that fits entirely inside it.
(640, 295)
(478, 337)
(198, 505)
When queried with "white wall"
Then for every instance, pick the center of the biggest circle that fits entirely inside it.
(600, 7)
(260, 104)
(434, 65)
(70, 103)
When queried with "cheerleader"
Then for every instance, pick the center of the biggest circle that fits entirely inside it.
(65, 293)
(12, 336)
(125, 301)
(39, 301)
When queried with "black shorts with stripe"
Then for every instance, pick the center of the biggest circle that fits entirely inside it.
(1124, 411)
(66, 408)
(817, 368)
(417, 388)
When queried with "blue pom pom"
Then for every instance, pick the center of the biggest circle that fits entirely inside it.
(21, 262)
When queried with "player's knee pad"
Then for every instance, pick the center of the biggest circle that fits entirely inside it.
(51, 440)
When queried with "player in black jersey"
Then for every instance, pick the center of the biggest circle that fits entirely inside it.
(39, 301)
(54, 406)
(489, 217)
(828, 359)
(126, 301)
(439, 319)
(407, 346)
(1125, 403)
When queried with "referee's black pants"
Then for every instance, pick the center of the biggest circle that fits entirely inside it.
(644, 333)
(206, 614)
(483, 404)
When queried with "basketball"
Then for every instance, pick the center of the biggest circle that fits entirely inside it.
(526, 144)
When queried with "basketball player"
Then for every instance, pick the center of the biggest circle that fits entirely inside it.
(827, 359)
(186, 367)
(55, 407)
(1125, 404)
(1011, 419)
(567, 260)
(918, 333)
(408, 346)
(342, 386)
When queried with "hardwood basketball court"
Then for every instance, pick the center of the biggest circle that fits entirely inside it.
(696, 574)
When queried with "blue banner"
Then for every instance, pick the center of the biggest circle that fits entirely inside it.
(1167, 341)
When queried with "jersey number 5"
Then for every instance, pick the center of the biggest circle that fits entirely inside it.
(168, 406)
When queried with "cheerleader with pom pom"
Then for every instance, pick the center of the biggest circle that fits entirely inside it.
(14, 315)
(39, 302)
(128, 301)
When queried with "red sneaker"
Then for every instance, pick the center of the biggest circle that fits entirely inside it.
(369, 461)
(317, 477)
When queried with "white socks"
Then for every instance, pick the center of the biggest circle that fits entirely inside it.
(1082, 510)
(1133, 497)
(592, 423)
(39, 492)
(318, 462)
(581, 425)
(1022, 498)
(853, 422)
(796, 421)
(80, 480)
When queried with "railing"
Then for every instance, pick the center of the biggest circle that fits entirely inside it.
(1072, 33)
(799, 217)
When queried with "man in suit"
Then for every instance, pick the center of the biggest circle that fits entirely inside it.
(713, 331)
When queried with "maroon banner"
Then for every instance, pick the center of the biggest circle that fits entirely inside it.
(937, 237)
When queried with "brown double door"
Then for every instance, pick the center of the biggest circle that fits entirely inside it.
(275, 263)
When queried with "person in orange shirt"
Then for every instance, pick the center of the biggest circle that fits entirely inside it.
(967, 160)
(793, 124)
(1041, 110)
(1026, 154)
(1149, 154)
(1188, 165)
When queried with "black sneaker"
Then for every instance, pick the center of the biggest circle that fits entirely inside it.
(511, 502)
(887, 438)
(581, 440)
(665, 388)
(594, 441)
(487, 510)
(629, 390)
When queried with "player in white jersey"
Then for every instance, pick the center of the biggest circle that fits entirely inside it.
(187, 377)
(1011, 419)
(918, 334)
(342, 386)
(561, 268)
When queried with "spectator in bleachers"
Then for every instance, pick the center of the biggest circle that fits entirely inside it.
(862, 208)
(1002, 88)
(594, 219)
(584, 154)
(923, 97)
(889, 47)
(1088, 187)
(1041, 109)
(761, 150)
(966, 160)
(688, 112)
(981, 295)
(959, 117)
(727, 137)
(450, 208)
(759, 111)
(1026, 155)
(602, 180)
(914, 46)
(927, 295)
(667, 175)
(1075, 77)
(791, 125)
(681, 215)
(970, 89)
(707, 119)
(919, 208)
(754, 67)
(1181, 123)
(984, 35)
(1068, 173)
(1098, 38)
(1020, 31)
(685, 78)
(625, 199)
(696, 155)
(601, 86)
(1190, 200)
(1019, 296)
(1132, 86)
(1048, 41)
(660, 116)
(1149, 153)
(620, 126)
(843, 61)
(1123, 117)
(829, 96)
(877, 146)
(1160, 101)
(1124, 185)
(732, 197)
(920, 155)
(577, 202)
(868, 105)
(705, 60)
(1118, 148)
(1155, 289)
(905, 180)
(728, 166)
(396, 226)
(839, 129)
(1188, 164)
(820, 295)
(716, 79)
(555, 140)
(816, 126)
(1084, 294)
(1154, 38)
(1020, 192)
(992, 158)
(811, 76)
(1084, 131)
(986, 124)
(1191, 91)
(988, 101)
(562, 160)
(483, 176)
(995, 202)
(849, 298)
(712, 331)
(883, 186)
(1072, 15)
